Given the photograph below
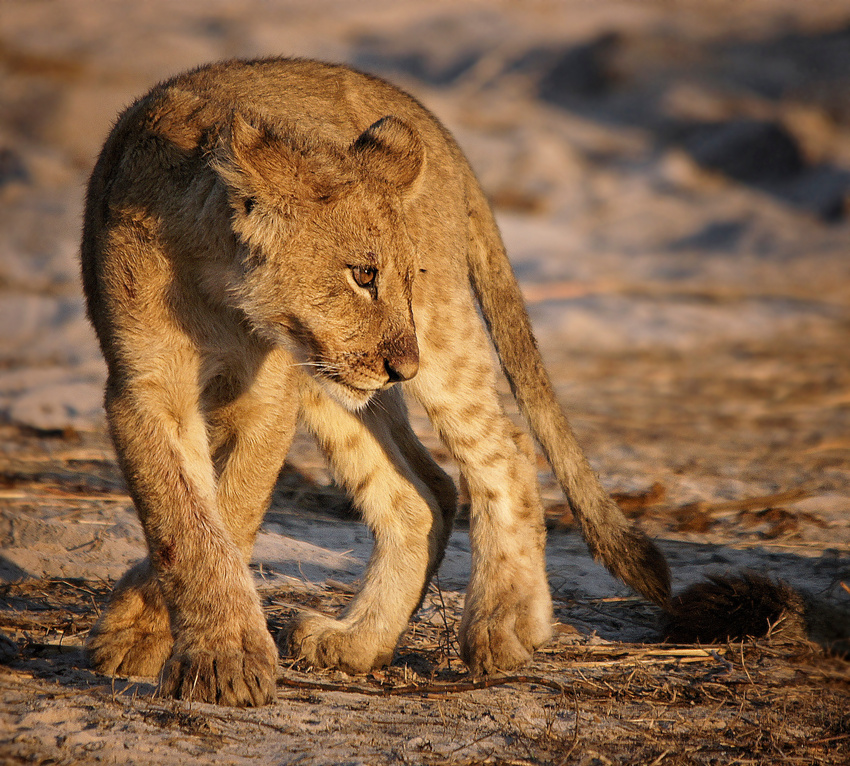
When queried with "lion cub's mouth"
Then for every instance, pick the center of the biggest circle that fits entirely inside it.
(347, 394)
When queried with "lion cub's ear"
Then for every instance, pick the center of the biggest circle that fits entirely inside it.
(279, 164)
(177, 116)
(391, 150)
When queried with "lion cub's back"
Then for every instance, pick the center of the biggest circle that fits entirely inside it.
(334, 101)
(330, 102)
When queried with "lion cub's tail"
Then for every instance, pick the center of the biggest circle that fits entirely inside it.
(611, 537)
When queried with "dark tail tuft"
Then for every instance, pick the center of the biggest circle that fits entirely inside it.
(734, 608)
(632, 557)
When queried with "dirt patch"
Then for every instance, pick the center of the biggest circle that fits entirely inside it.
(582, 701)
(605, 690)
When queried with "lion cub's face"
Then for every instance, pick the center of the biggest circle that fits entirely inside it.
(324, 265)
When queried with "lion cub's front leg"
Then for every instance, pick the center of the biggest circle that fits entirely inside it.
(409, 504)
(222, 651)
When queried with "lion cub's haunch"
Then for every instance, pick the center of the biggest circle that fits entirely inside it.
(275, 241)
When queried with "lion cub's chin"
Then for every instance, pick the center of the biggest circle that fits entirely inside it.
(350, 397)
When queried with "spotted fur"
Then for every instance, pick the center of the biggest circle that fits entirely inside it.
(276, 241)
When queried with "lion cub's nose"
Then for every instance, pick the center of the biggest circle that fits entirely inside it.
(401, 357)
(401, 368)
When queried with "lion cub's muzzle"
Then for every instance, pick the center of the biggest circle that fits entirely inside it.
(401, 358)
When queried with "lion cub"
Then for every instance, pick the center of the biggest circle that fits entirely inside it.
(278, 241)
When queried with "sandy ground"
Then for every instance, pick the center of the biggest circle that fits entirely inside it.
(672, 182)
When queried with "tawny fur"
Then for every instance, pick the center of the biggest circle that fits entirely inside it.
(277, 241)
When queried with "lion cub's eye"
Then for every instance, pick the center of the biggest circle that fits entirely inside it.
(249, 203)
(364, 276)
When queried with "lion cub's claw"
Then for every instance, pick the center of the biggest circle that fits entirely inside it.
(323, 642)
(239, 674)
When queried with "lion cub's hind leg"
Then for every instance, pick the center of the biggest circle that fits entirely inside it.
(508, 610)
(408, 503)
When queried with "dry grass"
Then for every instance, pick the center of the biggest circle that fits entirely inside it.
(581, 702)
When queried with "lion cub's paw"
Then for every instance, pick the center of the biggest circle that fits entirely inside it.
(504, 638)
(128, 650)
(488, 646)
(133, 635)
(327, 643)
(239, 672)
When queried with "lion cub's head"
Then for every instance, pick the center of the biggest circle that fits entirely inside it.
(324, 265)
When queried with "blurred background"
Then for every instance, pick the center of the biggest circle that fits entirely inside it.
(672, 181)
